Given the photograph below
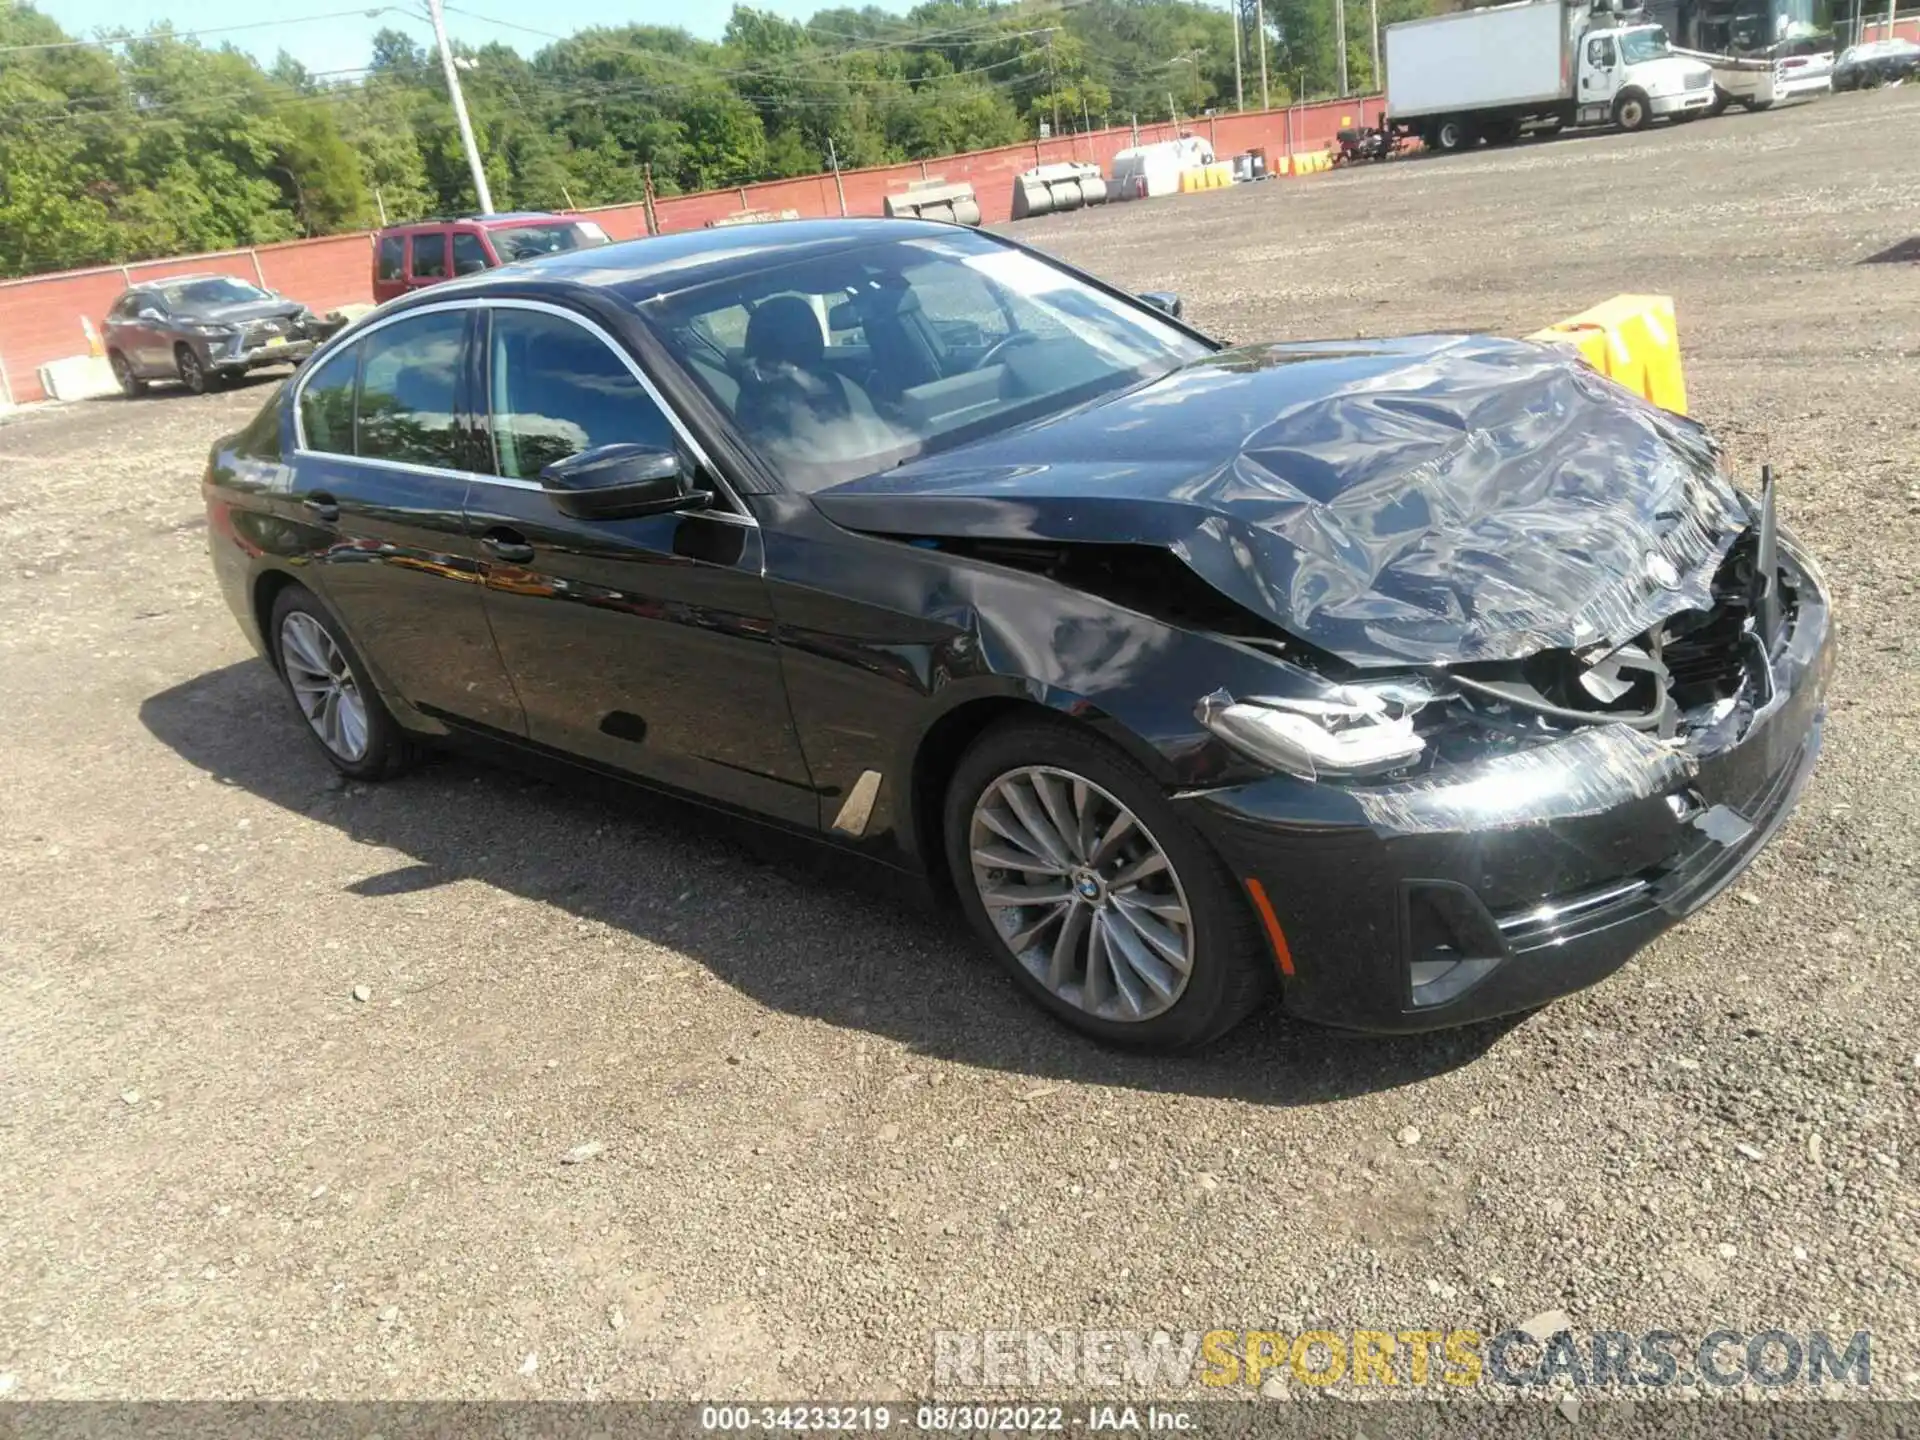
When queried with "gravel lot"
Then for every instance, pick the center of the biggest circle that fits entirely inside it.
(829, 1126)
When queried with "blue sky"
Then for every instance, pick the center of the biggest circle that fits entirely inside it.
(341, 42)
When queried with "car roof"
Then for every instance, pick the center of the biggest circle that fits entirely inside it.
(639, 270)
(487, 221)
(167, 280)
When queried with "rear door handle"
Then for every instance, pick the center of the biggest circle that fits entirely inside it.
(508, 545)
(323, 506)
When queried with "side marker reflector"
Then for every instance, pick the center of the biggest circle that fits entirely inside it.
(1267, 918)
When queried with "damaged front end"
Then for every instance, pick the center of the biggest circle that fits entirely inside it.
(1533, 821)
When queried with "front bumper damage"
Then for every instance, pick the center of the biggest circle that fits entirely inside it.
(255, 345)
(1493, 886)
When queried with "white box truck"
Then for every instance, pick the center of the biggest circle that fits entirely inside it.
(1491, 74)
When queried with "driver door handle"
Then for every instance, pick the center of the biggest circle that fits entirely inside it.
(508, 545)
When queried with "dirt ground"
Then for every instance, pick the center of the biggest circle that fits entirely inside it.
(830, 1127)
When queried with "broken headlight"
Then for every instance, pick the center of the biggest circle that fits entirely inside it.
(1346, 731)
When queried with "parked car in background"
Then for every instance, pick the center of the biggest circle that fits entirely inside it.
(425, 252)
(202, 329)
(1878, 62)
(1422, 680)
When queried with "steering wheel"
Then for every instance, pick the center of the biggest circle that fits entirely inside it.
(1002, 345)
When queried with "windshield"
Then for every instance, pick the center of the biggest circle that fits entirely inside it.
(216, 290)
(846, 364)
(523, 242)
(1639, 45)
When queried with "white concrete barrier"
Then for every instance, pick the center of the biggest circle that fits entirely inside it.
(78, 377)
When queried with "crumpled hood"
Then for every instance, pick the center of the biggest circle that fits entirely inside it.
(244, 310)
(1428, 500)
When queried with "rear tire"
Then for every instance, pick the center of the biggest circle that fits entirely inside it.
(1452, 135)
(1131, 995)
(131, 385)
(329, 685)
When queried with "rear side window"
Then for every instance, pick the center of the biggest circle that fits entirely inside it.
(392, 256)
(408, 376)
(429, 257)
(469, 253)
(556, 389)
(326, 405)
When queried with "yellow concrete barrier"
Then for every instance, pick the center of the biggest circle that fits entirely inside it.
(1310, 162)
(1632, 340)
(1206, 177)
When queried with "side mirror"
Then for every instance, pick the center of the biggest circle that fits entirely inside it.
(1165, 301)
(618, 482)
(469, 267)
(148, 312)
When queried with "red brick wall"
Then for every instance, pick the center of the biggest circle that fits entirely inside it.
(40, 317)
(1907, 29)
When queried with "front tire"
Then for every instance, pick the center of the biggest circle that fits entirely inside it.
(330, 688)
(1631, 112)
(193, 370)
(131, 385)
(1091, 889)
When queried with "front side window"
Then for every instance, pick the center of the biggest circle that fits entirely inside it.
(409, 374)
(469, 253)
(841, 365)
(430, 257)
(326, 404)
(392, 256)
(555, 390)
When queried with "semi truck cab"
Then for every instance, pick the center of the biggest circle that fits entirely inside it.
(1629, 75)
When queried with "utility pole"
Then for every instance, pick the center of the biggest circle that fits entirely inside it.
(833, 159)
(460, 108)
(1260, 28)
(1373, 29)
(1053, 85)
(1239, 93)
(1340, 40)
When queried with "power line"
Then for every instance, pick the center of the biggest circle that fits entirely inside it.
(1054, 7)
(211, 30)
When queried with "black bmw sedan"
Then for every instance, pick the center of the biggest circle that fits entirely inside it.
(1878, 62)
(1421, 680)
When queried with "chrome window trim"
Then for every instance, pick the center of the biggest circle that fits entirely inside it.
(738, 515)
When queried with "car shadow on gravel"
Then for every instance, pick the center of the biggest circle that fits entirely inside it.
(640, 856)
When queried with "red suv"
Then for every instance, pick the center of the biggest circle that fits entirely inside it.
(425, 252)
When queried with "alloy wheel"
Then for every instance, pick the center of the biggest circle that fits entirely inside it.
(324, 686)
(1081, 893)
(192, 373)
